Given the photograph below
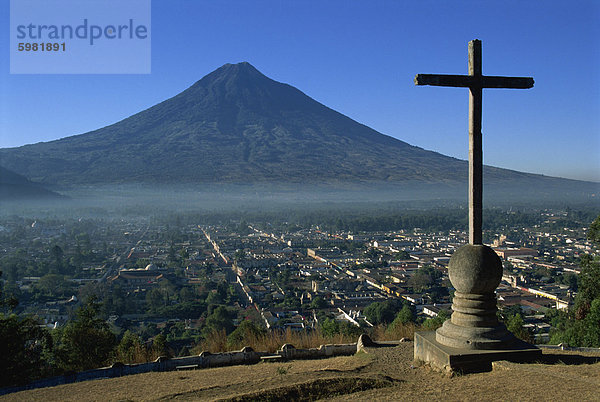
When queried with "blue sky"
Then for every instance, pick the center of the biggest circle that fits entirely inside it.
(359, 58)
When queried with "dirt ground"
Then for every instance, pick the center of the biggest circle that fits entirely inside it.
(379, 374)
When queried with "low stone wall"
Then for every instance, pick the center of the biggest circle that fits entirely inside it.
(568, 348)
(205, 359)
(288, 351)
(245, 356)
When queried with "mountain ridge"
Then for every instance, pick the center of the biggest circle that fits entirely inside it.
(14, 186)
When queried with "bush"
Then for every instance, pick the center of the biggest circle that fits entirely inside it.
(381, 312)
(434, 323)
(131, 349)
(244, 334)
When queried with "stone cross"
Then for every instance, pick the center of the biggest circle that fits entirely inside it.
(475, 81)
(473, 337)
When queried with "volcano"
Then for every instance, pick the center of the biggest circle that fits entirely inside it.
(236, 125)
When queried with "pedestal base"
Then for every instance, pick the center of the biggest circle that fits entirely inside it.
(429, 350)
(475, 338)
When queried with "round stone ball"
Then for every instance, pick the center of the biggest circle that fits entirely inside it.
(475, 268)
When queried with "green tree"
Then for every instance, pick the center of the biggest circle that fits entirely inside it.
(591, 326)
(115, 302)
(239, 256)
(582, 328)
(404, 318)
(57, 254)
(244, 334)
(84, 243)
(405, 315)
(8, 295)
(154, 300)
(589, 285)
(85, 342)
(381, 312)
(223, 290)
(290, 302)
(434, 323)
(159, 346)
(373, 254)
(402, 255)
(594, 231)
(131, 349)
(220, 318)
(515, 325)
(208, 267)
(350, 330)
(167, 289)
(187, 294)
(424, 279)
(330, 327)
(191, 309)
(23, 348)
(55, 285)
(318, 303)
(589, 278)
(214, 298)
(172, 253)
(569, 279)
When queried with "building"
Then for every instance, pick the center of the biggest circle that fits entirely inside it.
(504, 252)
(133, 278)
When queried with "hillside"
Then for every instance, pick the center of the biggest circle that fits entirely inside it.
(13, 187)
(379, 374)
(236, 125)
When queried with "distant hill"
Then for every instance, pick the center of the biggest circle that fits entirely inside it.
(13, 186)
(236, 125)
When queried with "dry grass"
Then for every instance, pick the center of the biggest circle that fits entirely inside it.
(394, 332)
(270, 341)
(378, 374)
(139, 354)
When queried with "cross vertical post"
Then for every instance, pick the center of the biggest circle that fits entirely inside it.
(475, 146)
(475, 81)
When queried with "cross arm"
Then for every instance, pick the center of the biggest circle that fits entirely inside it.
(507, 82)
(473, 81)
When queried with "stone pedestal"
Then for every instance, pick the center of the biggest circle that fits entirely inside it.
(473, 337)
(446, 358)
